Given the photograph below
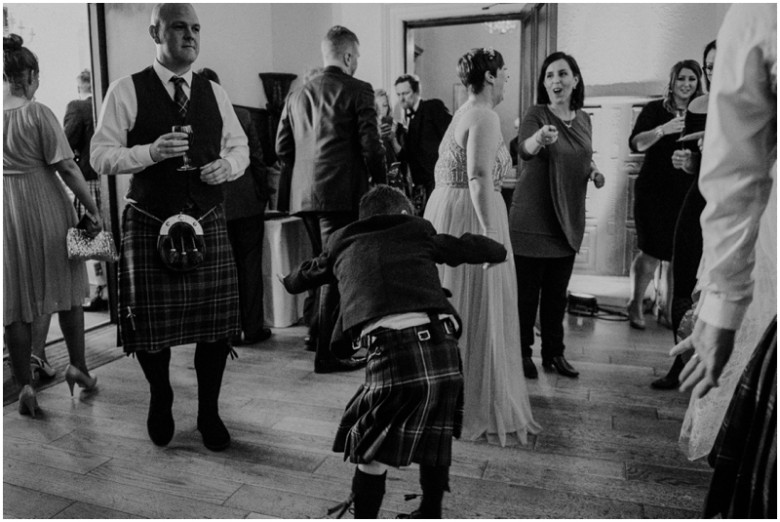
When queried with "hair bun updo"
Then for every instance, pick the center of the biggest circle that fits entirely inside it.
(12, 42)
(473, 65)
(18, 62)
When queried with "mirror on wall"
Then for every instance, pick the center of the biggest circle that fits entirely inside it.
(433, 52)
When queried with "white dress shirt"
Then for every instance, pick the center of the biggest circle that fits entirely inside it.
(739, 163)
(109, 153)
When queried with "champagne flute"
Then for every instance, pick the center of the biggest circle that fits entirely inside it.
(187, 129)
(680, 113)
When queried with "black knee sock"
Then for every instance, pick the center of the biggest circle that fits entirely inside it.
(434, 480)
(368, 491)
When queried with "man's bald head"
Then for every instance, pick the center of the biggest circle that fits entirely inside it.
(175, 30)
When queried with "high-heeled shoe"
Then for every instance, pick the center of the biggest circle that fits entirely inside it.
(75, 376)
(28, 404)
(43, 368)
(635, 320)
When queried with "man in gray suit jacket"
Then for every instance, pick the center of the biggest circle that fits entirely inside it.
(329, 139)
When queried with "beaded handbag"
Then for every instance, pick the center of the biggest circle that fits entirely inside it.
(82, 246)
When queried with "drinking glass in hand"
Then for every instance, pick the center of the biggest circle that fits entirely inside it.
(680, 113)
(187, 129)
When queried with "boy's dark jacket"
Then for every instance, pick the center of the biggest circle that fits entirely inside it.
(387, 265)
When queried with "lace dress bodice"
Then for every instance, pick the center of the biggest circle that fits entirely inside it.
(450, 169)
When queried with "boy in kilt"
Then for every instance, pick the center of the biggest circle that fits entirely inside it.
(392, 302)
(160, 307)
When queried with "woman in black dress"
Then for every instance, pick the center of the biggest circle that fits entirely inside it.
(687, 233)
(660, 187)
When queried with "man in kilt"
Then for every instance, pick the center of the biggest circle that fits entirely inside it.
(393, 304)
(160, 307)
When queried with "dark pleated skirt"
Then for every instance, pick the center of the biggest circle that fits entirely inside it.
(744, 483)
(160, 308)
(411, 405)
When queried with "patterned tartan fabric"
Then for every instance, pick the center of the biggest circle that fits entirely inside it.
(411, 404)
(159, 308)
(744, 483)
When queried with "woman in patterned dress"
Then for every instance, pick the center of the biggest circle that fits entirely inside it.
(473, 160)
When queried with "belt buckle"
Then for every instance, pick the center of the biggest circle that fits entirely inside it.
(448, 327)
(424, 335)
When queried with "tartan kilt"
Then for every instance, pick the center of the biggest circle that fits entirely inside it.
(411, 405)
(160, 308)
(744, 456)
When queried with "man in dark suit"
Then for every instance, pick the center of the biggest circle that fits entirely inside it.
(245, 202)
(425, 123)
(328, 136)
(79, 128)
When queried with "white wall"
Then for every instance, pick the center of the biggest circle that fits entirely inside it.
(44, 33)
(630, 48)
(297, 31)
(366, 21)
(236, 41)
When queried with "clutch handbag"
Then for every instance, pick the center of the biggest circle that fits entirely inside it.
(81, 246)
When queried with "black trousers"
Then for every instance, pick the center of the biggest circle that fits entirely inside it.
(542, 284)
(686, 255)
(246, 239)
(320, 226)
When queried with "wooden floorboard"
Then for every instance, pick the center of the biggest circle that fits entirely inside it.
(608, 448)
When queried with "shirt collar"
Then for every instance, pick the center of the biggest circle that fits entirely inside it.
(165, 75)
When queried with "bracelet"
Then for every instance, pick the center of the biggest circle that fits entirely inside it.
(659, 132)
(91, 216)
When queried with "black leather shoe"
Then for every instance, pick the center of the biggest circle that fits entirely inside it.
(339, 365)
(529, 368)
(159, 421)
(666, 382)
(215, 435)
(264, 335)
(561, 365)
(309, 343)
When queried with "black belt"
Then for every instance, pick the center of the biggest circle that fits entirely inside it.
(424, 332)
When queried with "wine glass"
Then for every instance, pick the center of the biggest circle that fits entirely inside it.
(680, 113)
(187, 129)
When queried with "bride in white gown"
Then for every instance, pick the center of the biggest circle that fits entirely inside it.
(473, 161)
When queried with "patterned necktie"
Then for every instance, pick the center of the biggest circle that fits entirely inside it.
(179, 96)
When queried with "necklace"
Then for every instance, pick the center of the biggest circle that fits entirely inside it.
(567, 123)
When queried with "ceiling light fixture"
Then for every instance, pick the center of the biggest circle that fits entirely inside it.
(501, 26)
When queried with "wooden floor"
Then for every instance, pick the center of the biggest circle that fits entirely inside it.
(608, 449)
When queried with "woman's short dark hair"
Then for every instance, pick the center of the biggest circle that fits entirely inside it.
(712, 46)
(473, 65)
(18, 61)
(694, 66)
(577, 95)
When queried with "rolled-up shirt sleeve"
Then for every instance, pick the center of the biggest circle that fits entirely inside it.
(737, 164)
(234, 145)
(109, 153)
